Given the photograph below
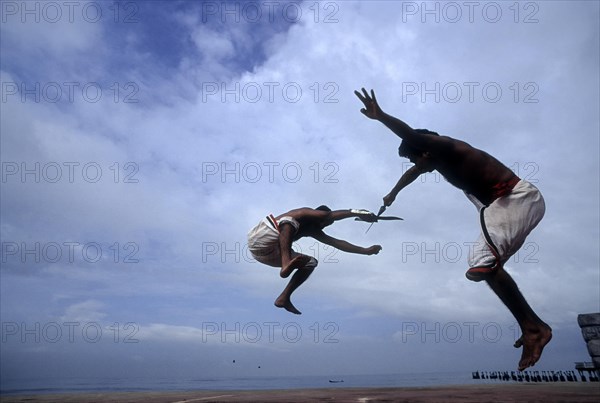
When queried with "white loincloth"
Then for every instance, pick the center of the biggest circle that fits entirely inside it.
(263, 241)
(505, 224)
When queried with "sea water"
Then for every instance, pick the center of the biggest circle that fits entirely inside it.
(81, 385)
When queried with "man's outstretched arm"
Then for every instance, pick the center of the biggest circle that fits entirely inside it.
(406, 179)
(345, 246)
(372, 110)
(321, 216)
(337, 215)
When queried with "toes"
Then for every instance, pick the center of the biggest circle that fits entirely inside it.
(523, 364)
(528, 361)
(519, 342)
(291, 308)
(288, 306)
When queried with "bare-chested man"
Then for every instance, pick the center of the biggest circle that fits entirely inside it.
(270, 242)
(509, 209)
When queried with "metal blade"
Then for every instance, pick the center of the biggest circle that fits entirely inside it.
(380, 212)
(388, 218)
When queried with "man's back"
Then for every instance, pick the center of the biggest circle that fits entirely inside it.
(310, 221)
(468, 168)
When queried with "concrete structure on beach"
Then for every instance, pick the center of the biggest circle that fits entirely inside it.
(590, 329)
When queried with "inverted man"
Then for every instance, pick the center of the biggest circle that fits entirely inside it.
(509, 209)
(270, 242)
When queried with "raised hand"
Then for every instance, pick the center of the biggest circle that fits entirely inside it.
(371, 109)
(364, 215)
(389, 199)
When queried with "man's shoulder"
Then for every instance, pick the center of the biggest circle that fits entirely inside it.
(446, 145)
(298, 212)
(461, 146)
(455, 141)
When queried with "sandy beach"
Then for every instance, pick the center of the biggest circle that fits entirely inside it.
(557, 392)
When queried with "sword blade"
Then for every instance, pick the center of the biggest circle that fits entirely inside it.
(380, 212)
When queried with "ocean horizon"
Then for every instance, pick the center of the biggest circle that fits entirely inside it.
(36, 386)
(119, 384)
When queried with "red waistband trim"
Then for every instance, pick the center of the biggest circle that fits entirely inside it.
(273, 222)
(504, 188)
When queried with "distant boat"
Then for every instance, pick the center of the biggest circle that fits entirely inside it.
(335, 381)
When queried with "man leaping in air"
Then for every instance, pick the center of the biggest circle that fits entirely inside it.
(270, 242)
(509, 209)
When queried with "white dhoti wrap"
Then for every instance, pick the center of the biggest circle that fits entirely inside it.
(505, 224)
(263, 241)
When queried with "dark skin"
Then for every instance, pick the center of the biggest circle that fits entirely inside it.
(464, 166)
(311, 222)
(475, 172)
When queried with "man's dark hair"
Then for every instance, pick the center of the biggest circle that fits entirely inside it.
(407, 150)
(323, 208)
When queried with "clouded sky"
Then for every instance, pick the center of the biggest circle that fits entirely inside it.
(141, 140)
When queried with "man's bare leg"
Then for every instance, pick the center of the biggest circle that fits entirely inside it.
(284, 300)
(536, 333)
(288, 264)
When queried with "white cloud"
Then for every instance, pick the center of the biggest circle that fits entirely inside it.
(212, 45)
(86, 311)
(185, 127)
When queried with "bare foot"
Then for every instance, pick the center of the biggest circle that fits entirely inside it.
(287, 305)
(296, 263)
(533, 342)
